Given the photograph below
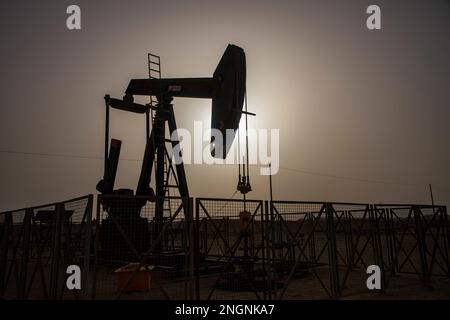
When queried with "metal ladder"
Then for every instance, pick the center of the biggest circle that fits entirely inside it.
(154, 72)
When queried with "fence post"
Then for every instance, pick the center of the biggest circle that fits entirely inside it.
(4, 245)
(377, 244)
(348, 239)
(267, 266)
(96, 239)
(421, 244)
(54, 271)
(87, 245)
(192, 248)
(446, 227)
(332, 253)
(25, 253)
(312, 241)
(197, 250)
(271, 244)
(263, 253)
(390, 240)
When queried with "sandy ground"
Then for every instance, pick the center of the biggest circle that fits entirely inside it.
(404, 287)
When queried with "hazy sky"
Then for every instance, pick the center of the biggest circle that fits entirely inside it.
(349, 102)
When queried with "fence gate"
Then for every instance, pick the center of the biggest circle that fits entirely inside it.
(323, 250)
(38, 244)
(418, 240)
(300, 250)
(230, 261)
(320, 250)
(140, 255)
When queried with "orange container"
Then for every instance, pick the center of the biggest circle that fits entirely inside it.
(141, 280)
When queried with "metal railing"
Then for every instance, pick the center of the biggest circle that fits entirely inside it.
(332, 244)
(37, 245)
(139, 254)
(218, 248)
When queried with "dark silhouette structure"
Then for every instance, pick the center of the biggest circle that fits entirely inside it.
(226, 89)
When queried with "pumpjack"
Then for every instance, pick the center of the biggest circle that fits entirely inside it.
(125, 235)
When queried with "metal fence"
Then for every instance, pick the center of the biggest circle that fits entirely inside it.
(230, 261)
(37, 245)
(417, 239)
(323, 249)
(218, 248)
(140, 255)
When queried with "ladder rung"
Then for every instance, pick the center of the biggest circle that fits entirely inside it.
(154, 70)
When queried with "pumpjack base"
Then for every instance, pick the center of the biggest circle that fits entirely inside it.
(123, 238)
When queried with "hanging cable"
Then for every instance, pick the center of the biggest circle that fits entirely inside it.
(244, 179)
(239, 153)
(246, 137)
